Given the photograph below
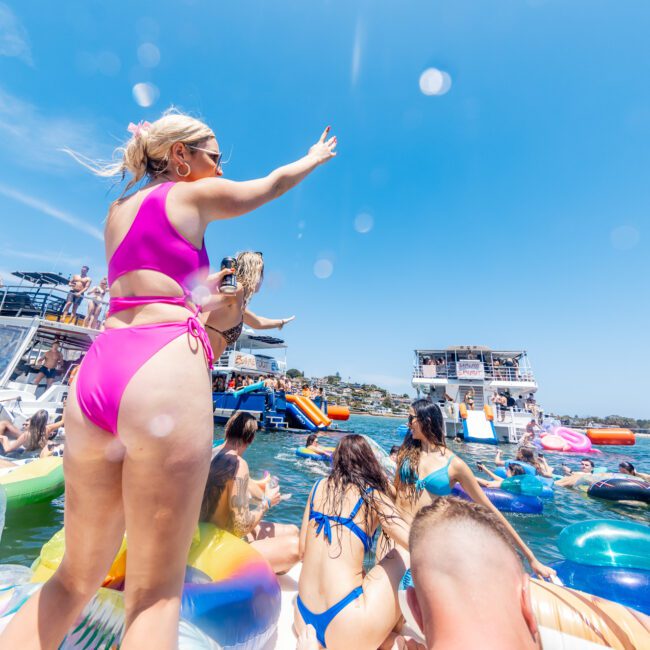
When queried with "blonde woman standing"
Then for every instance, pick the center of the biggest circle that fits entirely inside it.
(139, 422)
(225, 324)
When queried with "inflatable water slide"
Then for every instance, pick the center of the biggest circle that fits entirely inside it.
(307, 413)
(478, 426)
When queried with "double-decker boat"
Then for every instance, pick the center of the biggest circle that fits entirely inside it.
(485, 395)
(30, 322)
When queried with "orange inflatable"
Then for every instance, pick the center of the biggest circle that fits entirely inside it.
(612, 436)
(310, 410)
(338, 412)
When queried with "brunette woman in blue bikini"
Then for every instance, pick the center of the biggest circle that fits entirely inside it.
(346, 608)
(427, 469)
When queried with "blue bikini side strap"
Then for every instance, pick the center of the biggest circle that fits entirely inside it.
(322, 621)
(313, 493)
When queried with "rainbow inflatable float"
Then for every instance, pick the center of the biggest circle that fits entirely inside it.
(231, 593)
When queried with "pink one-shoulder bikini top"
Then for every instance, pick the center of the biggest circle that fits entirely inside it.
(152, 243)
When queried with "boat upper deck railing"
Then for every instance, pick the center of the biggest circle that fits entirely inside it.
(19, 300)
(479, 370)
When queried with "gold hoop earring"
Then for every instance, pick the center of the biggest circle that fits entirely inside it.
(189, 170)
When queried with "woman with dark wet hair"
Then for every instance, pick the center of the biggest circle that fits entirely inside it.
(346, 608)
(427, 469)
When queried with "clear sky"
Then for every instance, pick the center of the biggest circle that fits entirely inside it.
(511, 211)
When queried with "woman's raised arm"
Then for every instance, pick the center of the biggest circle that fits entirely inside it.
(219, 198)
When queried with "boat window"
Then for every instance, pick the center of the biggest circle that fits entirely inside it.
(11, 338)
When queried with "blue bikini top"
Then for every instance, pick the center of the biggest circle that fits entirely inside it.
(324, 520)
(436, 483)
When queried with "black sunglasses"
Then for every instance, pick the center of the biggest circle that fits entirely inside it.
(412, 418)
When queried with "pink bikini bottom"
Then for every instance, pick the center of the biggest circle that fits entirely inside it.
(116, 355)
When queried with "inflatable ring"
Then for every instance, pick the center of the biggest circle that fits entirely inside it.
(629, 587)
(620, 489)
(101, 624)
(572, 615)
(34, 482)
(506, 501)
(232, 594)
(607, 542)
(578, 442)
(529, 485)
(551, 442)
(305, 452)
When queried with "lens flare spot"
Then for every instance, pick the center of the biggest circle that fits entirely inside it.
(363, 222)
(434, 82)
(624, 237)
(145, 94)
(115, 451)
(200, 295)
(323, 268)
(148, 55)
(108, 63)
(161, 425)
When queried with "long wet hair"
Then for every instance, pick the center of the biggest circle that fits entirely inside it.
(526, 455)
(429, 417)
(354, 466)
(37, 431)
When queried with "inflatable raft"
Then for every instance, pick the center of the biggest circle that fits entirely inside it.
(34, 482)
(569, 619)
(230, 593)
(611, 436)
(621, 488)
(305, 452)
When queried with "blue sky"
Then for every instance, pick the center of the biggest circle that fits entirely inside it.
(511, 211)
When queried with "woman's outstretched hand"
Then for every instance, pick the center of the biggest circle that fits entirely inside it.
(323, 150)
(284, 321)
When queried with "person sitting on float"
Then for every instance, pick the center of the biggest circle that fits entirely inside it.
(312, 445)
(427, 470)
(394, 450)
(585, 475)
(512, 469)
(34, 437)
(347, 607)
(228, 492)
(224, 325)
(505, 619)
(627, 468)
(527, 455)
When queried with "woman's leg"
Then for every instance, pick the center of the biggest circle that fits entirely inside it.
(166, 424)
(94, 525)
(277, 544)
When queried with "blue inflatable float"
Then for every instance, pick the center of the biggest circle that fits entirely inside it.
(506, 501)
(629, 587)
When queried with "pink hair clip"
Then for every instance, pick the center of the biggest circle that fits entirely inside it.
(138, 129)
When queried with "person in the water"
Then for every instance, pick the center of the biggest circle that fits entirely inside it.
(427, 470)
(312, 445)
(343, 512)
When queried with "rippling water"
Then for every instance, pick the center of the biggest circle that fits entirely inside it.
(27, 530)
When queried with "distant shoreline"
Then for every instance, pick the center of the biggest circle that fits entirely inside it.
(372, 415)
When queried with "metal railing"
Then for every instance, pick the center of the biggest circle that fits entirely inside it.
(40, 301)
(449, 371)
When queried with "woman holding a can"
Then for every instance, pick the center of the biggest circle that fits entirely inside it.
(139, 420)
(224, 325)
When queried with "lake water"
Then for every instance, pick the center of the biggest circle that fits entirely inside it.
(28, 529)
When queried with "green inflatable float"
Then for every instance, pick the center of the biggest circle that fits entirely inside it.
(37, 481)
